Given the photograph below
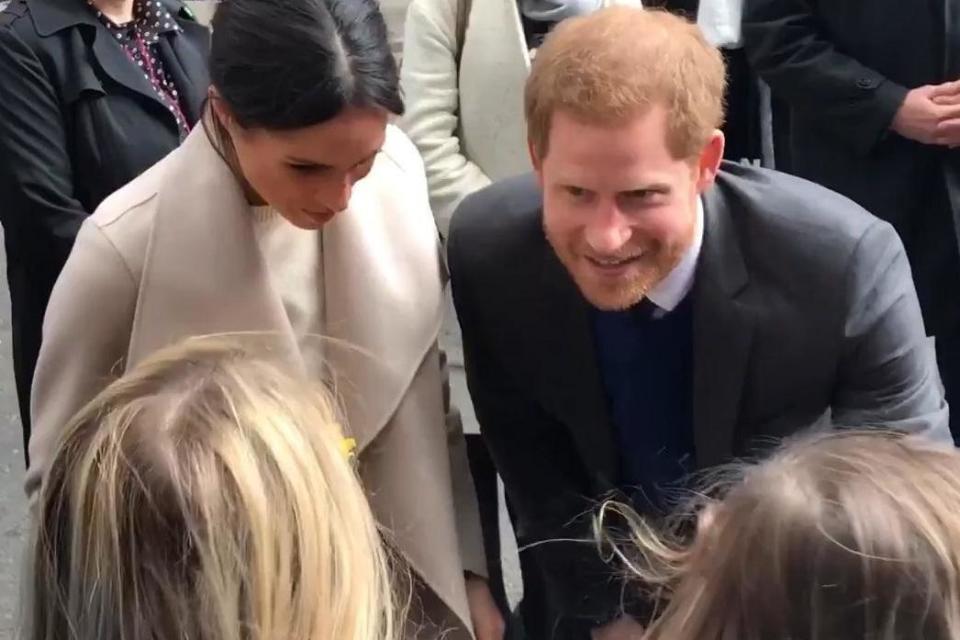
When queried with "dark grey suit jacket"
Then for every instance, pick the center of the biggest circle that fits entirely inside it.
(805, 313)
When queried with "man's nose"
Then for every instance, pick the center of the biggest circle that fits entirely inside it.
(608, 231)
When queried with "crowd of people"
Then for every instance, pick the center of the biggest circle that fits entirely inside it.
(716, 393)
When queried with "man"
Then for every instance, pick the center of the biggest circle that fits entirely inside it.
(635, 312)
(873, 116)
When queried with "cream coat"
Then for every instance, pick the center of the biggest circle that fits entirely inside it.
(174, 255)
(486, 140)
(395, 14)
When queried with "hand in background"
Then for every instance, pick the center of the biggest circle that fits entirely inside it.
(931, 115)
(487, 620)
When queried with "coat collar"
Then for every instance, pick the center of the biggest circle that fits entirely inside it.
(204, 274)
(184, 54)
(51, 16)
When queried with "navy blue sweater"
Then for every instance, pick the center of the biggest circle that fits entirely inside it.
(646, 367)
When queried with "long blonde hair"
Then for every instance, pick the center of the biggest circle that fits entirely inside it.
(851, 535)
(207, 495)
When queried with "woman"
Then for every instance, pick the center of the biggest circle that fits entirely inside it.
(92, 92)
(207, 495)
(294, 210)
(465, 92)
(846, 535)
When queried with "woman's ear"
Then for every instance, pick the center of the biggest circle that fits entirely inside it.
(220, 109)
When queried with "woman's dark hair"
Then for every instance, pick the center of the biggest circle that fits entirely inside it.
(288, 64)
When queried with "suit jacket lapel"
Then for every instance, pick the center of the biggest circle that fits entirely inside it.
(723, 331)
(567, 371)
(568, 377)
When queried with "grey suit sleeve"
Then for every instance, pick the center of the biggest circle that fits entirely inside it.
(888, 374)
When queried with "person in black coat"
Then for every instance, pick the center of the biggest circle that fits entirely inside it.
(92, 93)
(875, 116)
(743, 104)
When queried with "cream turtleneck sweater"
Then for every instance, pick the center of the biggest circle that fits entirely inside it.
(294, 261)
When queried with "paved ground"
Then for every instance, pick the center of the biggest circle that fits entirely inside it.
(12, 502)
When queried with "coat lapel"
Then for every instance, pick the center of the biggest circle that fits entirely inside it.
(52, 16)
(384, 304)
(115, 63)
(203, 273)
(722, 334)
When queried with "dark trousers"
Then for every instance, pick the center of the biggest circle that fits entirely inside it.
(742, 125)
(30, 283)
(485, 482)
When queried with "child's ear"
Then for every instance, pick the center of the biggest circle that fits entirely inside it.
(707, 516)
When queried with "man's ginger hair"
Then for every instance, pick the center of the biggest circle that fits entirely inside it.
(617, 63)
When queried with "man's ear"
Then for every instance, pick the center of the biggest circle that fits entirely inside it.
(536, 161)
(708, 164)
(534, 156)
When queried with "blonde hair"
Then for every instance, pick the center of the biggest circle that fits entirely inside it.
(207, 496)
(615, 64)
(847, 535)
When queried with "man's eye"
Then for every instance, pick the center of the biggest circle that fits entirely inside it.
(576, 192)
(645, 196)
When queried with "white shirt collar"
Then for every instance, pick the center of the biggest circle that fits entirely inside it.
(720, 21)
(670, 292)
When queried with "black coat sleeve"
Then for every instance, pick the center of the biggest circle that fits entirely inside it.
(563, 570)
(789, 48)
(36, 175)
